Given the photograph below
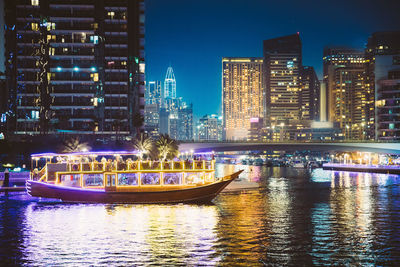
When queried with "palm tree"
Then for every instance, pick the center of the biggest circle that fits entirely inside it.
(144, 144)
(167, 147)
(74, 144)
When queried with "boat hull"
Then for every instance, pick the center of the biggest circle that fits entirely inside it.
(199, 194)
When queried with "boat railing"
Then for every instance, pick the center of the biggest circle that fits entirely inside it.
(39, 174)
(50, 169)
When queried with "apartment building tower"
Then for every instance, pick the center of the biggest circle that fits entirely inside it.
(75, 66)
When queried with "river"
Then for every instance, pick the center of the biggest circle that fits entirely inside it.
(297, 217)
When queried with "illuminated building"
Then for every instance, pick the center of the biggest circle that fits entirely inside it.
(388, 107)
(282, 62)
(153, 100)
(209, 128)
(185, 123)
(152, 120)
(177, 122)
(347, 96)
(75, 66)
(309, 98)
(333, 58)
(242, 95)
(256, 126)
(382, 66)
(169, 84)
(153, 93)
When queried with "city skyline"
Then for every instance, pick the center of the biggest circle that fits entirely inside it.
(195, 48)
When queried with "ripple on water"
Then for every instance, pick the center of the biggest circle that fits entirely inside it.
(296, 218)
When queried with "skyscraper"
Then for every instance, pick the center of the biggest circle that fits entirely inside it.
(153, 93)
(333, 58)
(175, 116)
(344, 75)
(153, 102)
(382, 66)
(242, 95)
(309, 99)
(208, 128)
(169, 84)
(76, 67)
(282, 62)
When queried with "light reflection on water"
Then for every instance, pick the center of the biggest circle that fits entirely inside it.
(295, 218)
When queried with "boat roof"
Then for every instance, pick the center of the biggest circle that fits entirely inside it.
(86, 153)
(98, 153)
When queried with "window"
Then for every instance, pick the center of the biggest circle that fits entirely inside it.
(95, 179)
(35, 114)
(35, 2)
(111, 14)
(150, 178)
(128, 179)
(35, 27)
(95, 77)
(172, 178)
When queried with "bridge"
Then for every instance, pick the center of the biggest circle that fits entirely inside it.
(390, 148)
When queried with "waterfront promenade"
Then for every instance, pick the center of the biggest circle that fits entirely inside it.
(390, 169)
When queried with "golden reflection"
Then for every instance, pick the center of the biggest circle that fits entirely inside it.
(238, 224)
(136, 233)
(250, 173)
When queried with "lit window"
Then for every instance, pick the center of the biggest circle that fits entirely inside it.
(95, 77)
(111, 14)
(35, 2)
(35, 27)
(35, 114)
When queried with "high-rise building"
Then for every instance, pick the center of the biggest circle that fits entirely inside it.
(350, 105)
(153, 100)
(242, 95)
(333, 58)
(185, 123)
(169, 84)
(282, 62)
(309, 98)
(344, 75)
(75, 66)
(176, 120)
(153, 93)
(209, 127)
(382, 65)
(388, 107)
(152, 120)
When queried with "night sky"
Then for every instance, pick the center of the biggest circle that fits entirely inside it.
(193, 36)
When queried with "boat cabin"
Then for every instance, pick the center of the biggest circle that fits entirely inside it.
(120, 171)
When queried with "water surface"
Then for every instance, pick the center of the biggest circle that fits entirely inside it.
(297, 217)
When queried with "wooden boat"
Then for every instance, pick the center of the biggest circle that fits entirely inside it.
(115, 177)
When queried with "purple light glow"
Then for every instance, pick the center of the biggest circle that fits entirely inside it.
(99, 153)
(362, 166)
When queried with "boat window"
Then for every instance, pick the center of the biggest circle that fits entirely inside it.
(93, 179)
(70, 180)
(128, 179)
(108, 180)
(113, 180)
(209, 177)
(172, 178)
(194, 177)
(150, 178)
